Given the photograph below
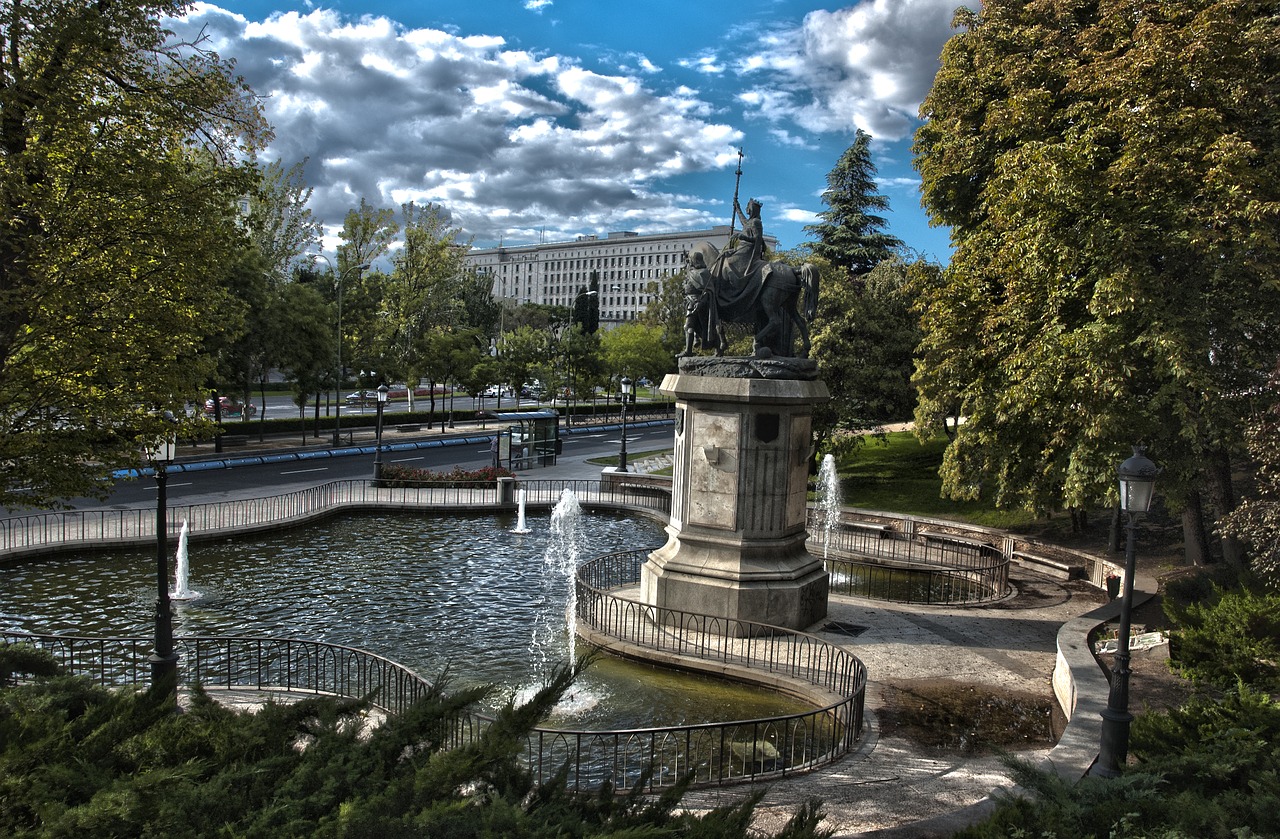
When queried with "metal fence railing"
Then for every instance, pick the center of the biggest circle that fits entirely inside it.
(715, 753)
(911, 565)
(48, 532)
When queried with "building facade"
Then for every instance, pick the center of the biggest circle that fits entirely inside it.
(628, 268)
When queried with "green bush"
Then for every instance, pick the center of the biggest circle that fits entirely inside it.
(1229, 637)
(1204, 771)
(405, 476)
(81, 760)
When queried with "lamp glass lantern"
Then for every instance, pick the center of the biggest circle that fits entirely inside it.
(1137, 482)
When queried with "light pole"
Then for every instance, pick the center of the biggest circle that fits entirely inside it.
(1137, 482)
(377, 453)
(626, 397)
(337, 398)
(164, 662)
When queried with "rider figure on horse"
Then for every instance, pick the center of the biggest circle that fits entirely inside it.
(738, 264)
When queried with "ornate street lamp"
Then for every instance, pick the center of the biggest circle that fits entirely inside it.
(377, 454)
(1137, 483)
(626, 397)
(164, 662)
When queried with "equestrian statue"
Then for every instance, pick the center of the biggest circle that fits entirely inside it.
(739, 285)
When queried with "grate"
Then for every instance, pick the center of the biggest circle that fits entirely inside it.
(850, 629)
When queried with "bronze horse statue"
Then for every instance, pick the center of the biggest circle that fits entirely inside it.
(732, 287)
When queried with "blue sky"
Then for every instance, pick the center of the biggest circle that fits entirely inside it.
(547, 119)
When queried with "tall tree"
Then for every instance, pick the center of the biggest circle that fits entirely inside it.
(1111, 174)
(634, 349)
(119, 183)
(423, 293)
(280, 224)
(851, 237)
(864, 341)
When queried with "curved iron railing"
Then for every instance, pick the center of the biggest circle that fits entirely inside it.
(47, 532)
(719, 752)
(867, 559)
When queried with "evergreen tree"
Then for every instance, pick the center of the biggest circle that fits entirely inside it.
(851, 236)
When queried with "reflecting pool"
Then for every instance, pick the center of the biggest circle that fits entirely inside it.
(463, 592)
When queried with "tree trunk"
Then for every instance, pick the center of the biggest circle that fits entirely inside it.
(1195, 538)
(1113, 532)
(1224, 500)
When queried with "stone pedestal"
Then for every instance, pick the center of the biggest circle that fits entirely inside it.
(736, 540)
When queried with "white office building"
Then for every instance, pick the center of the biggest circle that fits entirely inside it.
(628, 268)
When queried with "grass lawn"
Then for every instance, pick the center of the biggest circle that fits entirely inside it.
(897, 473)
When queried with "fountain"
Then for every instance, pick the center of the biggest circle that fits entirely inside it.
(182, 568)
(829, 500)
(556, 621)
(521, 527)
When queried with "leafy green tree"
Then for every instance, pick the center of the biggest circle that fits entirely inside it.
(280, 224)
(864, 341)
(851, 237)
(1257, 520)
(422, 295)
(1110, 173)
(635, 350)
(304, 341)
(520, 352)
(666, 311)
(119, 186)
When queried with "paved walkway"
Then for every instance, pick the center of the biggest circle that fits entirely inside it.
(892, 788)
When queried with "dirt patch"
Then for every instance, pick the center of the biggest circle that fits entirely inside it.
(1152, 684)
(950, 716)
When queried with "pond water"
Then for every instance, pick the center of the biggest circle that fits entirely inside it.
(427, 591)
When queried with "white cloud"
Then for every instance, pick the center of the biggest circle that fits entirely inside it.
(508, 140)
(865, 66)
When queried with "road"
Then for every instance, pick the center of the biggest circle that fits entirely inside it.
(273, 478)
(281, 406)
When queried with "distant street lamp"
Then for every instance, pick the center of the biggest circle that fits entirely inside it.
(338, 278)
(164, 663)
(1137, 482)
(626, 397)
(377, 454)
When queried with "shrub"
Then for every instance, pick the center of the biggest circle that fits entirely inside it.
(405, 476)
(1232, 636)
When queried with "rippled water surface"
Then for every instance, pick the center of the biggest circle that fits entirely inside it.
(426, 591)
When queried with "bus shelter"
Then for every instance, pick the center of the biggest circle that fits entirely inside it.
(532, 439)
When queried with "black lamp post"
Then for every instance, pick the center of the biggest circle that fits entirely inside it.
(164, 662)
(337, 278)
(377, 454)
(1137, 482)
(626, 397)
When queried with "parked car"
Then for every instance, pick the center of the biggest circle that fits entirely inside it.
(231, 407)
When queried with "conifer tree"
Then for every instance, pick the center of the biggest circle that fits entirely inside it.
(851, 236)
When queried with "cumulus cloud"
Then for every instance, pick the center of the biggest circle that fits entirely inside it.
(513, 143)
(865, 66)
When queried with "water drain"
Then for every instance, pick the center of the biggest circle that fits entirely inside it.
(850, 629)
